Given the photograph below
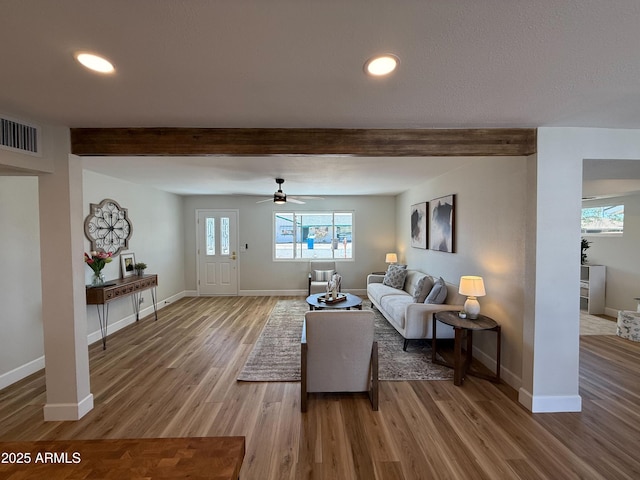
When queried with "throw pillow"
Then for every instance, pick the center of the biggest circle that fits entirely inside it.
(438, 293)
(395, 276)
(423, 287)
(323, 275)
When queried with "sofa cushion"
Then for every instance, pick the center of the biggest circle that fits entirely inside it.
(421, 289)
(376, 291)
(438, 293)
(322, 275)
(413, 276)
(395, 276)
(396, 306)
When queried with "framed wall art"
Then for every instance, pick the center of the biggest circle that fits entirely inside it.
(127, 262)
(442, 224)
(419, 225)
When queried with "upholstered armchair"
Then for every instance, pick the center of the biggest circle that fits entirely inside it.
(339, 354)
(320, 272)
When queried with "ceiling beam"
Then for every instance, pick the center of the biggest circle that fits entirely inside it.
(303, 141)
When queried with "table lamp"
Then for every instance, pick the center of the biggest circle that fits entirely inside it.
(472, 287)
(391, 258)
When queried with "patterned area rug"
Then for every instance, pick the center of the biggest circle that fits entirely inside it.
(276, 354)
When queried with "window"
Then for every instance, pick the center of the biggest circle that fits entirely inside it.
(305, 236)
(605, 220)
(210, 235)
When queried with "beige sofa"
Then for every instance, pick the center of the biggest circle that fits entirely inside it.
(413, 320)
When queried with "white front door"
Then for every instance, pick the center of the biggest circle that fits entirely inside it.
(217, 252)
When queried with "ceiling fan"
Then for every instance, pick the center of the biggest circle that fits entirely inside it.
(281, 198)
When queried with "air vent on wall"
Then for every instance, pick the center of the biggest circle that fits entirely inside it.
(19, 136)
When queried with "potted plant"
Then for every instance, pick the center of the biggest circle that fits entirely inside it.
(584, 245)
(140, 267)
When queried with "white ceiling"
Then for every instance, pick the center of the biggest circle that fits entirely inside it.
(299, 63)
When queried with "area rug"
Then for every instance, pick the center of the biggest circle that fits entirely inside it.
(276, 354)
(592, 325)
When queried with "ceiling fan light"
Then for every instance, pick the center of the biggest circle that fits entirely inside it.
(279, 199)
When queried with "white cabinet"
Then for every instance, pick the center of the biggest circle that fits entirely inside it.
(592, 287)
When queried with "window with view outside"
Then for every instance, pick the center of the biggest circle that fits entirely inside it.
(304, 236)
(211, 236)
(605, 220)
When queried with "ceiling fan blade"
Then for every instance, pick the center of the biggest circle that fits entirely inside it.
(265, 200)
(295, 200)
(309, 197)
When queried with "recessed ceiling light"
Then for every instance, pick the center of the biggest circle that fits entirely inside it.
(381, 65)
(95, 63)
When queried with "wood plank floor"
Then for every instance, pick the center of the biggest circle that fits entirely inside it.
(177, 377)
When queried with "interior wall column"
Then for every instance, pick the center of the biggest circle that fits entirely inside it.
(551, 342)
(63, 290)
(551, 338)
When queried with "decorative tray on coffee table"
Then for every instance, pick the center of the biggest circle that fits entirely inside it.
(340, 298)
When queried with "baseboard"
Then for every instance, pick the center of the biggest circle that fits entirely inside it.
(23, 371)
(506, 375)
(60, 412)
(273, 293)
(174, 298)
(611, 312)
(550, 403)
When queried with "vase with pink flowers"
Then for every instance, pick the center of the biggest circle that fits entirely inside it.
(97, 261)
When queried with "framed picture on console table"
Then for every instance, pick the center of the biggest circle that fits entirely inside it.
(419, 225)
(127, 262)
(442, 221)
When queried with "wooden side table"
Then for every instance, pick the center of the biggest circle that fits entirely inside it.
(466, 326)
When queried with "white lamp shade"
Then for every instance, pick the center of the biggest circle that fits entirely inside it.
(391, 258)
(471, 286)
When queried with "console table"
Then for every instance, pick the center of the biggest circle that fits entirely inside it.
(101, 295)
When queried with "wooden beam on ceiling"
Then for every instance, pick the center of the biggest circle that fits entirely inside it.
(303, 141)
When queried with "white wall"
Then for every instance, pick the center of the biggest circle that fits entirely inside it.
(620, 255)
(22, 349)
(21, 342)
(374, 235)
(157, 240)
(490, 219)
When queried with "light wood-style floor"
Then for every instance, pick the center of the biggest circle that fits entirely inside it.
(177, 377)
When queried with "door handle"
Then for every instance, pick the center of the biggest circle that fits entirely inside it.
(233, 255)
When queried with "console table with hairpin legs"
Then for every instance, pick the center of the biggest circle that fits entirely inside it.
(133, 286)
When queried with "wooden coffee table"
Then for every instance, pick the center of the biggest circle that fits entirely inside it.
(352, 301)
